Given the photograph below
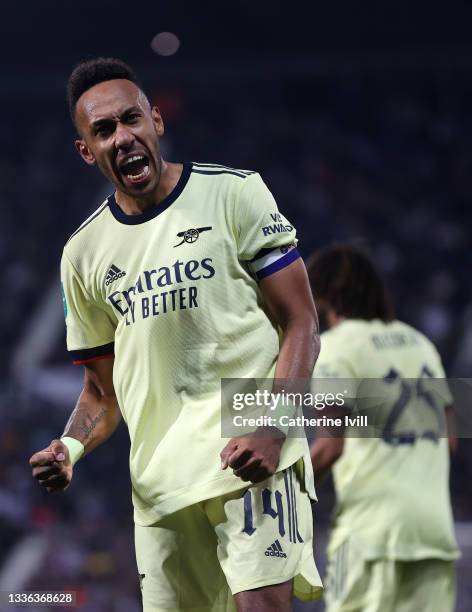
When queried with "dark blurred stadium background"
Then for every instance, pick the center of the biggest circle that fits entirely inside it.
(360, 120)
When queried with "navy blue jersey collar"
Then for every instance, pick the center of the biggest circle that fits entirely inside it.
(157, 210)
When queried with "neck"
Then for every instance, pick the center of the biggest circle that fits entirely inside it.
(334, 319)
(168, 179)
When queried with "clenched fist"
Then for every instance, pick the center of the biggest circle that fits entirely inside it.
(52, 467)
(254, 457)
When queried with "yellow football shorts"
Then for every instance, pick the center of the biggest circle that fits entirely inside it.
(199, 557)
(354, 584)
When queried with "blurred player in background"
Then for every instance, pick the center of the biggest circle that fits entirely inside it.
(164, 288)
(392, 544)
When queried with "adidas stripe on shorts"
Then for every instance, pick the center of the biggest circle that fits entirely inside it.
(198, 557)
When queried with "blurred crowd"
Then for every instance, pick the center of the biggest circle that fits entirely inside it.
(79, 541)
(382, 160)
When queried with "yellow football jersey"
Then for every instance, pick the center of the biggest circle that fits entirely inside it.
(393, 489)
(173, 294)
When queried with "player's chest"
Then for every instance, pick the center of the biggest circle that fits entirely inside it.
(191, 251)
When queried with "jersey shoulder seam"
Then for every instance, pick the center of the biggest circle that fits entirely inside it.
(217, 169)
(66, 256)
(89, 220)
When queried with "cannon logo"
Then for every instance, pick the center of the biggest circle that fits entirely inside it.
(191, 235)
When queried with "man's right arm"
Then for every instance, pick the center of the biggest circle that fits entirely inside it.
(97, 414)
(93, 420)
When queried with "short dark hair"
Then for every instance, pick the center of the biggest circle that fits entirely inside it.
(344, 278)
(91, 72)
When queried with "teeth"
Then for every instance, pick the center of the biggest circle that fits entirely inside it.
(134, 158)
(138, 176)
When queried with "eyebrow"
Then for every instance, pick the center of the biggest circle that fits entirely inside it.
(106, 120)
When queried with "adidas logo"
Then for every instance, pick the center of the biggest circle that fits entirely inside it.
(275, 550)
(113, 274)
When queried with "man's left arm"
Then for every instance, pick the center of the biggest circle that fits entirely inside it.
(289, 302)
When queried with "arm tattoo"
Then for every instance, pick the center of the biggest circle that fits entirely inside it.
(81, 425)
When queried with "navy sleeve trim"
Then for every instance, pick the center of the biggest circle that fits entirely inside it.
(97, 352)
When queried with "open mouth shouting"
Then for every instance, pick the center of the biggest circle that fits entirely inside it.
(135, 168)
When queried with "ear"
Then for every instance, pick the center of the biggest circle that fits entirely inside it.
(85, 152)
(157, 120)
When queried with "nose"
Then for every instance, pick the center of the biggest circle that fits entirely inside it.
(124, 138)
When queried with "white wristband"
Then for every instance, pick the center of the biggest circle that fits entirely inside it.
(75, 447)
(277, 409)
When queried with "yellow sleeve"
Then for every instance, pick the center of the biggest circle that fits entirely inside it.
(335, 369)
(335, 359)
(90, 330)
(260, 227)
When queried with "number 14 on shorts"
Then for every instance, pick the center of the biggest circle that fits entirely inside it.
(276, 506)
